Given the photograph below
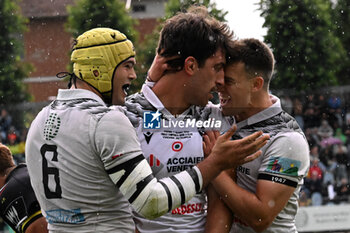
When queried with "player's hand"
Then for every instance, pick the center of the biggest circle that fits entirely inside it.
(209, 139)
(159, 67)
(232, 153)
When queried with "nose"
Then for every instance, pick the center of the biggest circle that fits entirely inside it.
(132, 75)
(220, 78)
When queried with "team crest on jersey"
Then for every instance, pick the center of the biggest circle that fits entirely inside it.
(17, 211)
(154, 163)
(52, 125)
(282, 165)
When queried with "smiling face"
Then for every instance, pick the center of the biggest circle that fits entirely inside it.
(236, 94)
(205, 80)
(122, 78)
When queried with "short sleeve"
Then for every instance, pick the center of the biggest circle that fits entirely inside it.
(286, 159)
(116, 139)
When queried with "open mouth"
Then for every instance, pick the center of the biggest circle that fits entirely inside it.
(126, 88)
(224, 99)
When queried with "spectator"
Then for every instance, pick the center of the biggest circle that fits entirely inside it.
(325, 130)
(343, 190)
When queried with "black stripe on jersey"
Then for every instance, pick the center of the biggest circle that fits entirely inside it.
(180, 187)
(170, 199)
(195, 179)
(128, 166)
(140, 186)
(277, 179)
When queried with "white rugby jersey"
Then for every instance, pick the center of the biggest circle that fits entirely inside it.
(85, 164)
(170, 149)
(285, 159)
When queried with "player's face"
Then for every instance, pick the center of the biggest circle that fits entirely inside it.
(122, 78)
(235, 95)
(206, 80)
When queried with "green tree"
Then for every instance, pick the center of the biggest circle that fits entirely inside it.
(12, 69)
(342, 21)
(302, 35)
(147, 50)
(88, 14)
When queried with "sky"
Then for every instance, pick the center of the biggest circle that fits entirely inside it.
(243, 17)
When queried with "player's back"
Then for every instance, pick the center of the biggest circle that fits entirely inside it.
(67, 171)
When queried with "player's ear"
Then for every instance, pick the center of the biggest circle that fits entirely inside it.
(190, 65)
(257, 83)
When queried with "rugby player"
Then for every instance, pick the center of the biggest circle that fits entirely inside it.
(84, 159)
(263, 195)
(195, 46)
(19, 207)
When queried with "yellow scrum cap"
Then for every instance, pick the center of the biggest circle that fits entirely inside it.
(96, 55)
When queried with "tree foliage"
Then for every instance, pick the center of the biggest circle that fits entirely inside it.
(342, 22)
(88, 14)
(306, 48)
(12, 69)
(147, 50)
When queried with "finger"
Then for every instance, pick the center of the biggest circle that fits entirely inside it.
(211, 135)
(251, 138)
(206, 140)
(252, 157)
(262, 141)
(230, 132)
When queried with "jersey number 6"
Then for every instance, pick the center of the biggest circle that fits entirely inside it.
(57, 193)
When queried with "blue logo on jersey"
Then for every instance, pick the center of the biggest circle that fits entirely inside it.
(151, 120)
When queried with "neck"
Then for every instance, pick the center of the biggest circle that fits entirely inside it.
(259, 102)
(170, 91)
(83, 85)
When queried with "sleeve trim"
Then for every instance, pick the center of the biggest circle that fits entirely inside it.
(277, 179)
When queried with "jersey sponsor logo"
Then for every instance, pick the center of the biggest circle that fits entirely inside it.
(16, 212)
(52, 125)
(177, 146)
(148, 136)
(151, 120)
(178, 164)
(244, 170)
(64, 216)
(154, 163)
(188, 209)
(282, 165)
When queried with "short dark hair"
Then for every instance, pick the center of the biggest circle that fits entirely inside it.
(6, 160)
(193, 33)
(256, 56)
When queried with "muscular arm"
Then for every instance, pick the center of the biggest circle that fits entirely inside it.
(38, 226)
(274, 186)
(219, 216)
(259, 209)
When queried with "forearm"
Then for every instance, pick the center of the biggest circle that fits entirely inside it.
(219, 216)
(150, 197)
(244, 204)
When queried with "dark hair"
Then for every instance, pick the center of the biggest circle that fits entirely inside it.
(194, 33)
(257, 57)
(6, 160)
